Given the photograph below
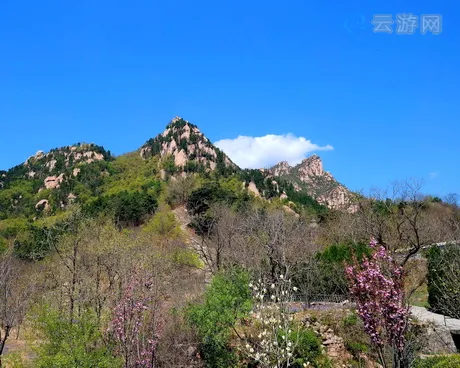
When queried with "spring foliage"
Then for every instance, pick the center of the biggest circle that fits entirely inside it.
(377, 285)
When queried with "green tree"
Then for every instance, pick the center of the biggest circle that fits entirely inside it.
(168, 164)
(164, 223)
(444, 280)
(226, 301)
(78, 343)
(200, 201)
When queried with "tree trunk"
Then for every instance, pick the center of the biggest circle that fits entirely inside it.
(3, 342)
(74, 282)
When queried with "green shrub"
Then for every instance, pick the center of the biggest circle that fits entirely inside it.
(3, 245)
(35, 243)
(339, 253)
(76, 343)
(452, 361)
(164, 223)
(128, 208)
(10, 228)
(444, 280)
(325, 273)
(350, 320)
(226, 301)
(307, 349)
(15, 360)
(200, 201)
(187, 257)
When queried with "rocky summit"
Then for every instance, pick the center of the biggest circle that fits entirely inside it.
(310, 176)
(187, 146)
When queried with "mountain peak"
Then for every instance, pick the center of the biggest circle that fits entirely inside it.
(281, 168)
(179, 123)
(191, 149)
(52, 167)
(62, 157)
(320, 184)
(310, 167)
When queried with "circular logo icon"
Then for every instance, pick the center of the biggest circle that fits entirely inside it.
(355, 23)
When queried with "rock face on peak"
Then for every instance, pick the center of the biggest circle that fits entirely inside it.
(59, 159)
(52, 167)
(281, 168)
(310, 176)
(189, 148)
(311, 168)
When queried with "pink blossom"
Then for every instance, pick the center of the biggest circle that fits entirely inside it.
(377, 286)
(133, 325)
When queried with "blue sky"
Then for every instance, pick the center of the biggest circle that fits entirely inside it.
(115, 72)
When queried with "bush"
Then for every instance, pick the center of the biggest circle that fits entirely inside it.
(36, 242)
(325, 273)
(452, 361)
(10, 228)
(164, 223)
(444, 280)
(308, 349)
(15, 360)
(187, 257)
(339, 253)
(128, 208)
(77, 343)
(3, 245)
(226, 301)
(200, 201)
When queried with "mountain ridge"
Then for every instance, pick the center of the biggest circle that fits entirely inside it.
(181, 149)
(310, 175)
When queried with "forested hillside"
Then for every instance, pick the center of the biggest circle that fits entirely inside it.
(173, 256)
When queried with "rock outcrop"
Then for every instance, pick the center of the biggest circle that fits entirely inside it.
(310, 176)
(52, 182)
(334, 344)
(252, 188)
(440, 330)
(280, 169)
(67, 156)
(52, 166)
(43, 204)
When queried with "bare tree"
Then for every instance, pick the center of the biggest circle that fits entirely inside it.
(224, 227)
(15, 294)
(282, 240)
(179, 189)
(400, 218)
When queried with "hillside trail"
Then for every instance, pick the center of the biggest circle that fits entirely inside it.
(193, 241)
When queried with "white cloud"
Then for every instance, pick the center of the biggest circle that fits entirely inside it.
(266, 151)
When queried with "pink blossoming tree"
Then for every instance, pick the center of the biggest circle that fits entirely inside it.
(135, 326)
(377, 284)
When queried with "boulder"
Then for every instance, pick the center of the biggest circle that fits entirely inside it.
(43, 204)
(52, 182)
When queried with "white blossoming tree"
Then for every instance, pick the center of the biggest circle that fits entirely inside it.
(272, 344)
